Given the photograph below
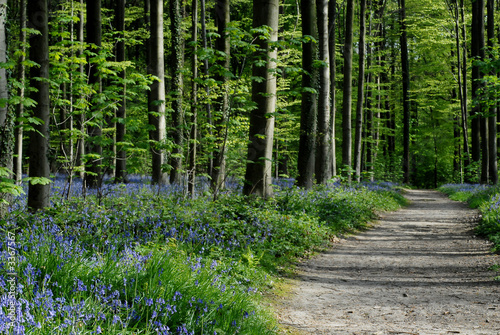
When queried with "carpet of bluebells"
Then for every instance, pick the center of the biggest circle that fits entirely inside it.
(141, 259)
(487, 199)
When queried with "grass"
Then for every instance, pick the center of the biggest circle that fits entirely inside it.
(486, 198)
(137, 259)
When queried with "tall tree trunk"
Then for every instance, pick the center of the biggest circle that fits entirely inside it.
(93, 176)
(194, 104)
(258, 176)
(361, 91)
(347, 102)
(80, 145)
(492, 127)
(156, 103)
(39, 193)
(121, 157)
(177, 82)
(220, 119)
(477, 44)
(406, 93)
(323, 147)
(6, 122)
(18, 146)
(332, 14)
(309, 106)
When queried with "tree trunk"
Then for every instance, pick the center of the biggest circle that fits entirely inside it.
(477, 44)
(194, 104)
(332, 14)
(258, 176)
(347, 102)
(121, 157)
(177, 82)
(80, 145)
(492, 118)
(39, 193)
(361, 91)
(220, 119)
(156, 103)
(93, 176)
(308, 114)
(323, 147)
(406, 93)
(18, 147)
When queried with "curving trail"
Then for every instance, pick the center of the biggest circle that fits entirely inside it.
(419, 271)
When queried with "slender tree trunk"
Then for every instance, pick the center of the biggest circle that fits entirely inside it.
(39, 193)
(6, 122)
(347, 103)
(156, 103)
(361, 90)
(308, 115)
(93, 176)
(18, 148)
(177, 81)
(323, 147)
(477, 44)
(194, 104)
(332, 14)
(80, 150)
(406, 93)
(258, 174)
(121, 158)
(208, 106)
(222, 113)
(492, 118)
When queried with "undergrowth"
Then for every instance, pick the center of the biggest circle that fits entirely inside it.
(137, 259)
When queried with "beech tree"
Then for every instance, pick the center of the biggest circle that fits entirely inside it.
(260, 148)
(39, 190)
(347, 91)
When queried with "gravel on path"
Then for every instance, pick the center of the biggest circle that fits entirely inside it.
(420, 270)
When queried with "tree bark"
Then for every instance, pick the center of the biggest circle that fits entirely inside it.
(177, 82)
(121, 157)
(258, 176)
(323, 147)
(309, 106)
(39, 193)
(332, 14)
(361, 90)
(492, 114)
(194, 104)
(93, 176)
(347, 102)
(221, 114)
(156, 103)
(406, 93)
(477, 44)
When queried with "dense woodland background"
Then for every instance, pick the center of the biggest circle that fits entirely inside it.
(201, 91)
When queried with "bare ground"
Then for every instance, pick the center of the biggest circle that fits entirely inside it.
(420, 270)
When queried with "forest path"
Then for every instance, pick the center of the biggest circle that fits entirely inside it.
(420, 270)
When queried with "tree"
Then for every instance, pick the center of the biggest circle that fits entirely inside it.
(221, 114)
(406, 91)
(260, 148)
(309, 107)
(477, 44)
(347, 91)
(177, 92)
(39, 190)
(93, 176)
(323, 147)
(156, 100)
(121, 113)
(492, 113)
(361, 91)
(194, 104)
(332, 14)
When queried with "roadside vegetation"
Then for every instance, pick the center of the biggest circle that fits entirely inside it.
(142, 259)
(486, 198)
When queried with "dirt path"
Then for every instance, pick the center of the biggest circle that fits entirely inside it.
(419, 271)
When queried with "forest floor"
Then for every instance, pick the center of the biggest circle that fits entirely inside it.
(419, 270)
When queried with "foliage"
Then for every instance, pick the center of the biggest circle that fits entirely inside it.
(145, 259)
